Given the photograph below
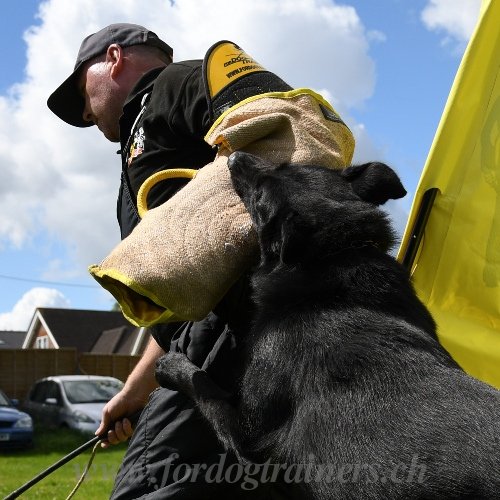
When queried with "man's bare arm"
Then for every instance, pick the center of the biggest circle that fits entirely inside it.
(132, 398)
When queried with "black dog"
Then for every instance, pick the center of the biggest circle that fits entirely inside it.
(344, 375)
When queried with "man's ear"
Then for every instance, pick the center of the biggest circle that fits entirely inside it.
(114, 55)
(374, 182)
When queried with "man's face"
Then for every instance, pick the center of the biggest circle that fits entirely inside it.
(103, 98)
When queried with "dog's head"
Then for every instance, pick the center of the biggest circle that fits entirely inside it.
(304, 212)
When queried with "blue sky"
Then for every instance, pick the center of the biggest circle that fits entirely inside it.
(21, 15)
(387, 66)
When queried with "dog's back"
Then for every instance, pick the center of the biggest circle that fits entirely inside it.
(345, 375)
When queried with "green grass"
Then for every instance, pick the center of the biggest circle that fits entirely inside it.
(19, 466)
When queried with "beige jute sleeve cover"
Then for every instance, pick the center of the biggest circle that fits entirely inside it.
(184, 255)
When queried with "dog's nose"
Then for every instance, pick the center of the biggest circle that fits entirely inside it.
(235, 158)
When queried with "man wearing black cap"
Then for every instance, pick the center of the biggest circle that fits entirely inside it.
(124, 83)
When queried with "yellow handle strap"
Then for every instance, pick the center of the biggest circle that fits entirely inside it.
(171, 173)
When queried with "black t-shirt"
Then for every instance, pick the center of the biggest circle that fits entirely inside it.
(168, 134)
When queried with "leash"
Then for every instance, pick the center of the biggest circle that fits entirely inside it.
(95, 441)
(87, 468)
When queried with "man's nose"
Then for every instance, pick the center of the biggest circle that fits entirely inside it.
(87, 115)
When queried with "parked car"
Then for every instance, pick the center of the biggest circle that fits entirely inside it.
(74, 401)
(16, 427)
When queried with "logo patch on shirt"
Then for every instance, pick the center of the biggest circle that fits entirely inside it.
(137, 147)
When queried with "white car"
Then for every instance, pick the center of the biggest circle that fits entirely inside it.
(74, 401)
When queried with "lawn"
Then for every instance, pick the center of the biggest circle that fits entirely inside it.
(19, 466)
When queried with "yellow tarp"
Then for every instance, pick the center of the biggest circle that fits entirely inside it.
(457, 270)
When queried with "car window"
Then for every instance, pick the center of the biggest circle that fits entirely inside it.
(91, 391)
(53, 391)
(38, 394)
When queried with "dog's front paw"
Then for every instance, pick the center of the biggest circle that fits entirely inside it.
(168, 372)
(176, 372)
(161, 372)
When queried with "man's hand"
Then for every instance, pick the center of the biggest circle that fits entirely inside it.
(132, 398)
(119, 427)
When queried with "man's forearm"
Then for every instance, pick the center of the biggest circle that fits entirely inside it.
(142, 378)
(132, 398)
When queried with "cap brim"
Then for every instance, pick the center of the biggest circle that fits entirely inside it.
(67, 103)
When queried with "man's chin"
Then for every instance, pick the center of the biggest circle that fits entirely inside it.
(110, 136)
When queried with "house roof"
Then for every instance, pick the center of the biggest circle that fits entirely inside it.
(119, 340)
(11, 339)
(78, 328)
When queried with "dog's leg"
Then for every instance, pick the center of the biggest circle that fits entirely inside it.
(175, 371)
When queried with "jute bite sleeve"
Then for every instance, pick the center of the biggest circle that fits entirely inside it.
(184, 255)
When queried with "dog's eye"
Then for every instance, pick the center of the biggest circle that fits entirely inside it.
(261, 208)
(256, 198)
(263, 201)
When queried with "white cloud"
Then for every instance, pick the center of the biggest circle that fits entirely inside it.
(456, 18)
(22, 312)
(63, 181)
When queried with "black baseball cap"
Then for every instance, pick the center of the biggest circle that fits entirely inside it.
(66, 101)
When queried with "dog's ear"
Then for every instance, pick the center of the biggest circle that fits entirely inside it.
(374, 182)
(295, 234)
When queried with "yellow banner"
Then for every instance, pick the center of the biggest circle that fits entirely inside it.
(457, 269)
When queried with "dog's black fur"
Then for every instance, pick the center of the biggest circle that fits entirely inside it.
(343, 368)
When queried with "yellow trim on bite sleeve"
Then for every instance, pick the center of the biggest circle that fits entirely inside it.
(162, 175)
